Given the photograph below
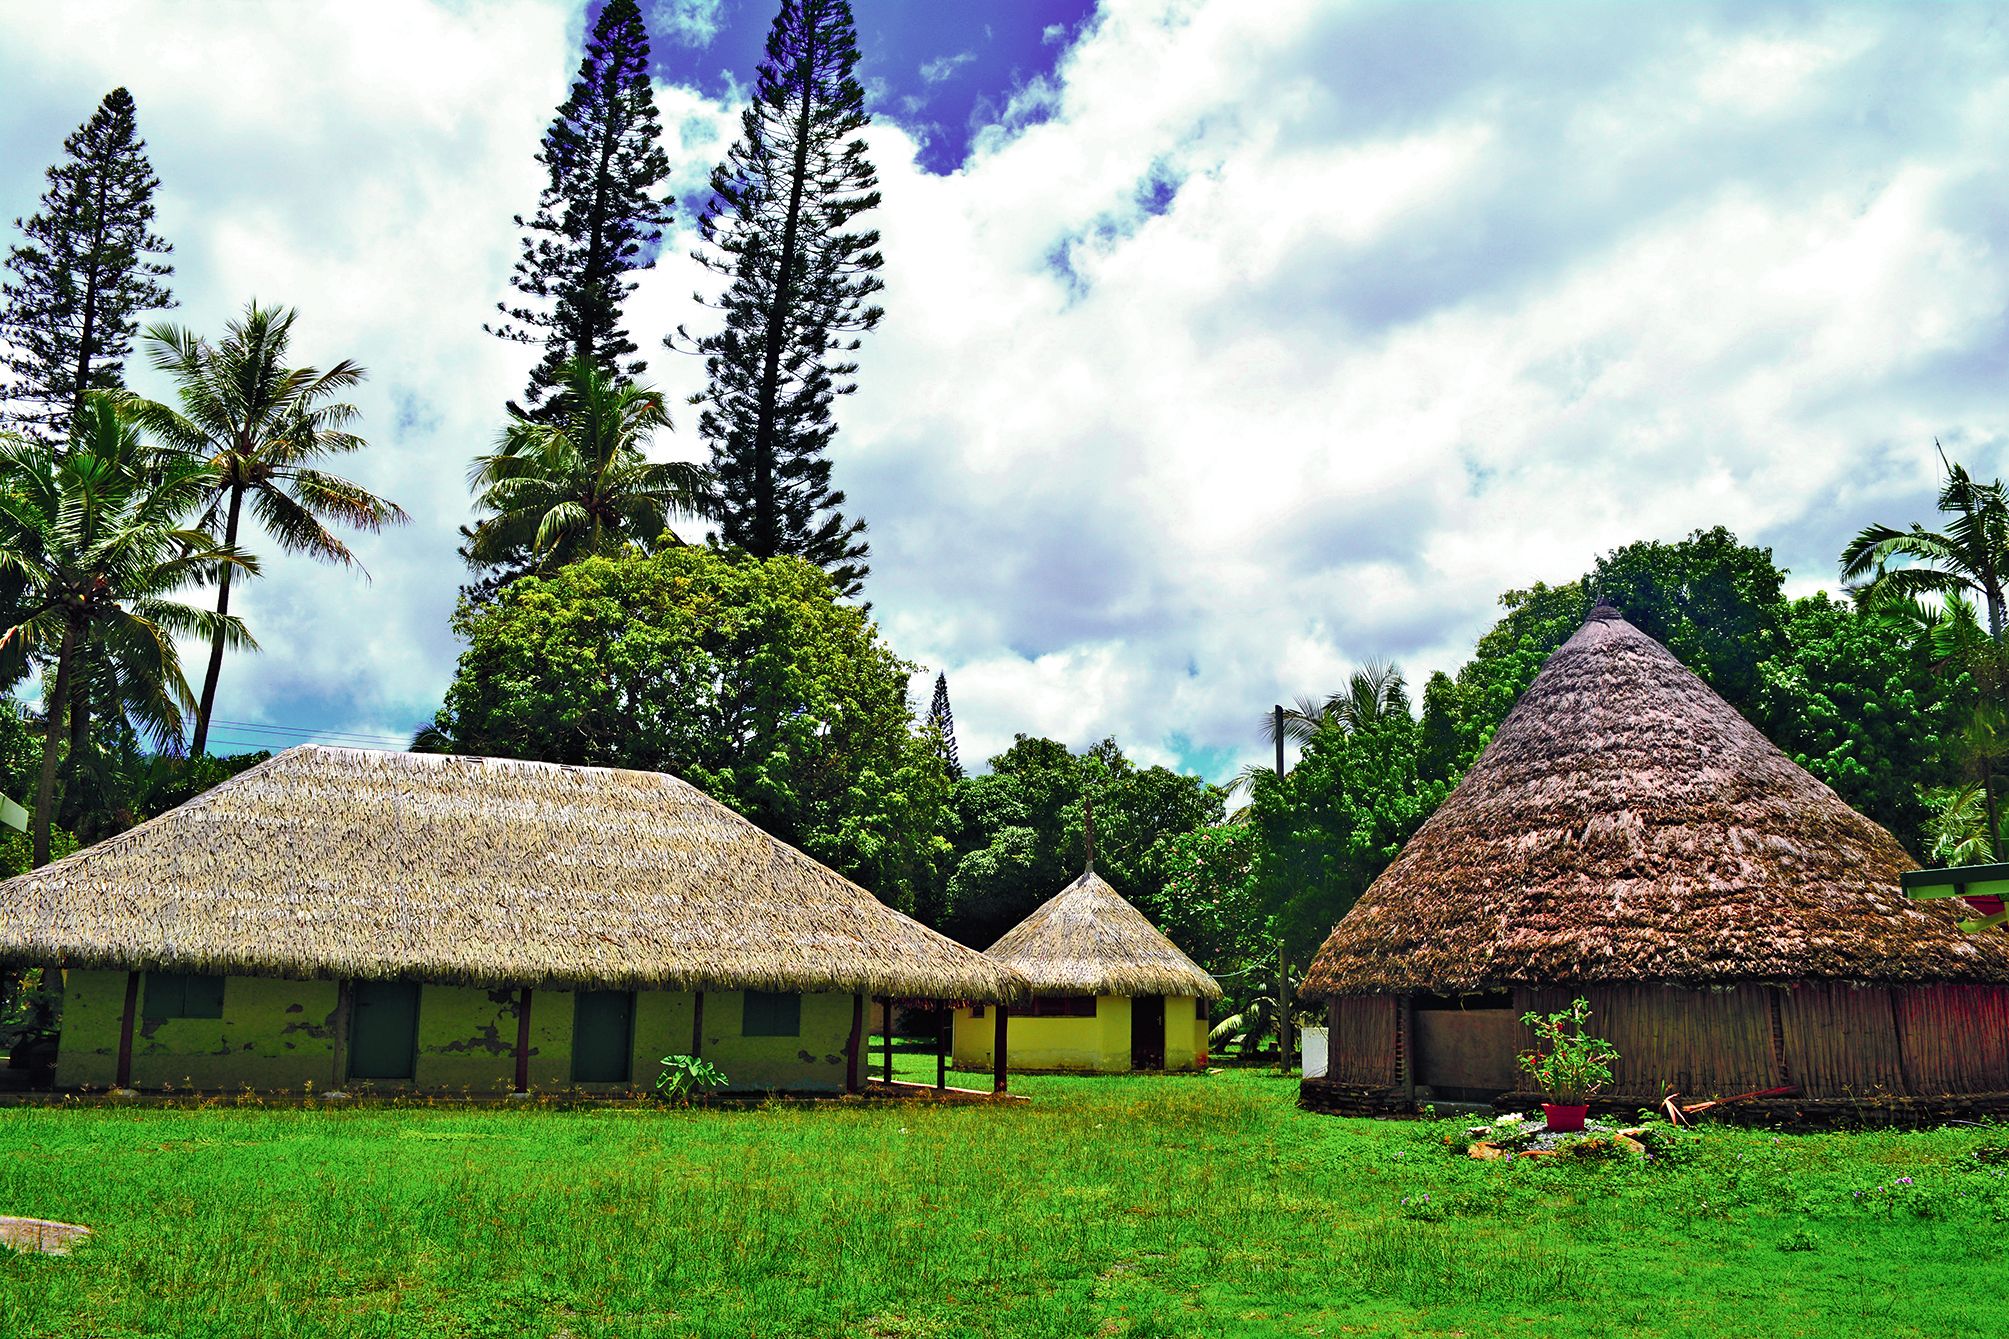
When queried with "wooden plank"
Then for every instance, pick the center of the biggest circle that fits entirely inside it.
(944, 1022)
(697, 1024)
(998, 1080)
(853, 1048)
(887, 1071)
(523, 1042)
(124, 1073)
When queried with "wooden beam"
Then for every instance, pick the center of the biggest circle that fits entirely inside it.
(125, 1070)
(998, 1063)
(697, 1024)
(523, 1042)
(944, 1025)
(887, 1069)
(856, 1045)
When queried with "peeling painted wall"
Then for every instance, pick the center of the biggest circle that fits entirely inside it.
(282, 1035)
(273, 1034)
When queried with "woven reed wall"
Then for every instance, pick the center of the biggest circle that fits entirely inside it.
(1361, 1041)
(1956, 1038)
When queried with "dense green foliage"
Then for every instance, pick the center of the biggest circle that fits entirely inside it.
(98, 540)
(86, 268)
(599, 216)
(1019, 831)
(750, 679)
(1324, 830)
(1120, 1206)
(779, 228)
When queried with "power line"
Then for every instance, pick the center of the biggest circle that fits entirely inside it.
(307, 731)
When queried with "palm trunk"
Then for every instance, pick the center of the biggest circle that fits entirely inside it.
(52, 735)
(1994, 816)
(208, 700)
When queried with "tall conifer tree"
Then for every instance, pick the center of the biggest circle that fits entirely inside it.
(943, 718)
(779, 226)
(87, 268)
(599, 216)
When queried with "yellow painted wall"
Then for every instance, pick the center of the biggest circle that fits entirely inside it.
(274, 1034)
(281, 1035)
(467, 1039)
(812, 1061)
(1099, 1045)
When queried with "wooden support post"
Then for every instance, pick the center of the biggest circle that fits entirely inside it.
(944, 1025)
(887, 1070)
(1277, 729)
(697, 1024)
(124, 1078)
(523, 1042)
(853, 1050)
(345, 1009)
(998, 1062)
(1283, 1012)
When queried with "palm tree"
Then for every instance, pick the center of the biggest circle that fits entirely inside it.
(1969, 557)
(95, 536)
(260, 427)
(1373, 693)
(579, 486)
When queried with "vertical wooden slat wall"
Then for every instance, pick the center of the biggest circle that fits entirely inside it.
(1955, 1038)
(1841, 1040)
(1699, 1043)
(1361, 1045)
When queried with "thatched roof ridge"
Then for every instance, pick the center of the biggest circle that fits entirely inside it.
(1626, 824)
(1087, 940)
(327, 862)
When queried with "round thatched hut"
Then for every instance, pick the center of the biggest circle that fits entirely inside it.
(1629, 837)
(1110, 992)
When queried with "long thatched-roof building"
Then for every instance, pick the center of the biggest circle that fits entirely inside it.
(1110, 992)
(336, 917)
(1629, 837)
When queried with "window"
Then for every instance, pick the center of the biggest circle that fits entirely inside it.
(1059, 1006)
(767, 1014)
(174, 995)
(976, 1011)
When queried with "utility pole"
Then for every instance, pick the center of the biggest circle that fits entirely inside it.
(1277, 718)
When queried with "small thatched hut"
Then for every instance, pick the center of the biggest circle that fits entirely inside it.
(1110, 992)
(335, 917)
(1628, 836)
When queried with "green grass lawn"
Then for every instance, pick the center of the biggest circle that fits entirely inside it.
(1122, 1206)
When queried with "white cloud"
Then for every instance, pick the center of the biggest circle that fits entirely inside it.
(943, 68)
(694, 23)
(1248, 346)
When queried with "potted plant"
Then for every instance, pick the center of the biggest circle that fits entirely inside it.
(1568, 1064)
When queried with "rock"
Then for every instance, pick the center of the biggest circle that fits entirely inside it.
(1485, 1152)
(41, 1235)
(1629, 1144)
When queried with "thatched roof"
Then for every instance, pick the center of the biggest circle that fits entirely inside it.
(340, 862)
(1627, 824)
(1086, 940)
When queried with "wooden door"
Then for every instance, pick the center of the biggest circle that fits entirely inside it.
(1147, 1032)
(603, 1036)
(383, 1029)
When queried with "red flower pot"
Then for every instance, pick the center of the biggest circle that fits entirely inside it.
(1565, 1120)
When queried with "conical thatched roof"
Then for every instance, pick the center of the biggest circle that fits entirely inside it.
(1627, 824)
(1086, 940)
(340, 862)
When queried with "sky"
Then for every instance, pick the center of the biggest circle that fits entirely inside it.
(1227, 347)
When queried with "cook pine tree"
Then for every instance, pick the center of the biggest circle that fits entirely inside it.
(780, 228)
(943, 718)
(599, 217)
(88, 266)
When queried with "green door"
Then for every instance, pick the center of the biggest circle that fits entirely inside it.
(383, 1029)
(603, 1035)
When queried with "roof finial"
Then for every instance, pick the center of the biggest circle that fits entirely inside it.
(1088, 834)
